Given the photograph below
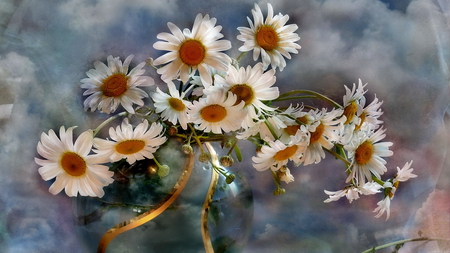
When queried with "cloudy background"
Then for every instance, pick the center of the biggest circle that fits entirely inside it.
(401, 48)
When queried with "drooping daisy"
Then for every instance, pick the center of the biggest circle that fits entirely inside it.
(252, 86)
(193, 50)
(384, 206)
(217, 112)
(404, 174)
(352, 192)
(366, 152)
(130, 144)
(277, 154)
(172, 106)
(75, 170)
(112, 85)
(271, 39)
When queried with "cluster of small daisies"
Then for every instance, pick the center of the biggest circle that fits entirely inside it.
(209, 97)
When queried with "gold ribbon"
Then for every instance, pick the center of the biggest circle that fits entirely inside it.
(154, 212)
(208, 199)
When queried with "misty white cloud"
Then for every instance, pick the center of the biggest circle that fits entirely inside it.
(93, 15)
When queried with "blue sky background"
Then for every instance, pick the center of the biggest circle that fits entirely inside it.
(401, 48)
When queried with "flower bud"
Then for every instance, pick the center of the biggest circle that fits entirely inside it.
(204, 157)
(187, 149)
(230, 178)
(279, 191)
(226, 161)
(163, 170)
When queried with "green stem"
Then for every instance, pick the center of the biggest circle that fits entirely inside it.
(347, 162)
(315, 94)
(107, 121)
(241, 56)
(296, 97)
(404, 241)
(271, 129)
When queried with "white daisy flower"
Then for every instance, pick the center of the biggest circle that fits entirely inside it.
(385, 204)
(193, 50)
(276, 154)
(75, 170)
(130, 144)
(217, 112)
(404, 174)
(172, 106)
(352, 105)
(284, 174)
(368, 115)
(323, 127)
(366, 152)
(112, 85)
(252, 86)
(352, 192)
(272, 38)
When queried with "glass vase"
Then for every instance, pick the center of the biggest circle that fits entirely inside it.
(191, 209)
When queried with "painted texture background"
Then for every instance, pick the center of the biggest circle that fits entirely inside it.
(401, 48)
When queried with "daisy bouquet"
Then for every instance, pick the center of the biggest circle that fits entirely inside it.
(208, 97)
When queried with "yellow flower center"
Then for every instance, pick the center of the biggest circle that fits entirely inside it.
(243, 93)
(129, 147)
(213, 113)
(115, 85)
(315, 136)
(267, 38)
(176, 104)
(350, 111)
(73, 164)
(364, 153)
(192, 52)
(285, 153)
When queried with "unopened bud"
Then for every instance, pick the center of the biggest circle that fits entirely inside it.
(230, 178)
(187, 149)
(226, 161)
(279, 191)
(173, 130)
(204, 157)
(163, 170)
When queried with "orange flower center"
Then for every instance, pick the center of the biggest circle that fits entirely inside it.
(176, 104)
(243, 93)
(315, 136)
(73, 164)
(285, 153)
(192, 52)
(267, 38)
(115, 85)
(364, 153)
(129, 147)
(213, 113)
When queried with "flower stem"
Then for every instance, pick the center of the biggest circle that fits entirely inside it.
(272, 131)
(315, 94)
(241, 56)
(404, 241)
(107, 121)
(347, 162)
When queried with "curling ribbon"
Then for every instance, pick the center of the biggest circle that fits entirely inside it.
(208, 199)
(154, 212)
